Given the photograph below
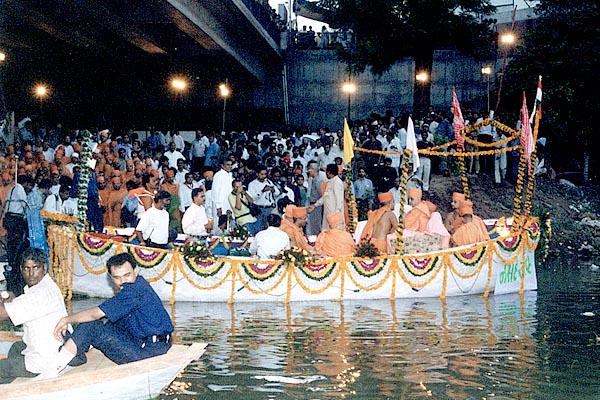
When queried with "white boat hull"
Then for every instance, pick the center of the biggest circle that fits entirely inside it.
(503, 265)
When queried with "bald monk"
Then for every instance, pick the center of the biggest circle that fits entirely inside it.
(115, 202)
(335, 241)
(381, 223)
(453, 219)
(472, 230)
(423, 218)
(293, 224)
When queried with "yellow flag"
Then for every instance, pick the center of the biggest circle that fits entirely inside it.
(348, 143)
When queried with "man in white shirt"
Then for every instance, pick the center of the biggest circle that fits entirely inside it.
(270, 242)
(178, 140)
(181, 172)
(69, 206)
(198, 150)
(263, 192)
(221, 187)
(327, 157)
(153, 228)
(39, 309)
(195, 222)
(173, 155)
(185, 192)
(48, 152)
(54, 202)
(333, 197)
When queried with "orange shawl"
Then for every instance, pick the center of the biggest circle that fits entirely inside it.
(468, 233)
(335, 243)
(417, 218)
(295, 234)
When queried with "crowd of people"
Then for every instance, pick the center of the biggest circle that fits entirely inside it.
(161, 184)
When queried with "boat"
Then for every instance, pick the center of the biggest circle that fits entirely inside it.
(503, 264)
(101, 379)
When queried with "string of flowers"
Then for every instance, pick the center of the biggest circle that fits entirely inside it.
(442, 153)
(351, 201)
(530, 185)
(463, 174)
(403, 193)
(518, 192)
(84, 179)
(197, 251)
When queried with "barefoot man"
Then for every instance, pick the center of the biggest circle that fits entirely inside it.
(381, 223)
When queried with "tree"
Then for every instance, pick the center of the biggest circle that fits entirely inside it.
(564, 47)
(388, 30)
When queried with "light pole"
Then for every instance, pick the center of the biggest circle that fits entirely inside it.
(2, 103)
(349, 88)
(179, 85)
(422, 78)
(507, 40)
(41, 92)
(224, 93)
(487, 71)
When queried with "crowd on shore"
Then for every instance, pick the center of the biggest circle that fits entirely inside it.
(286, 188)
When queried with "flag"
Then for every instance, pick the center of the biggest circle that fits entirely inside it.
(538, 100)
(526, 134)
(348, 144)
(458, 123)
(411, 144)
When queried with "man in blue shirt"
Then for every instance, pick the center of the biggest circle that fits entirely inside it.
(136, 327)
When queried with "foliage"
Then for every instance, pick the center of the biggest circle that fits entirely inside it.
(387, 30)
(366, 249)
(294, 255)
(196, 251)
(562, 46)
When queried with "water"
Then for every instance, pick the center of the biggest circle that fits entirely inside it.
(509, 347)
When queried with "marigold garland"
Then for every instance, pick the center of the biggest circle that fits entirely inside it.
(94, 245)
(420, 266)
(147, 257)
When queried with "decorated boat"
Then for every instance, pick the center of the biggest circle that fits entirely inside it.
(101, 379)
(503, 264)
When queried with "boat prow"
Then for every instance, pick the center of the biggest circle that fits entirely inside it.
(100, 378)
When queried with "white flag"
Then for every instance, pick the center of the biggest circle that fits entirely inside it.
(411, 144)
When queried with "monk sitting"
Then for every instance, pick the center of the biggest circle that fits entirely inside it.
(424, 219)
(335, 241)
(453, 219)
(293, 224)
(381, 223)
(473, 229)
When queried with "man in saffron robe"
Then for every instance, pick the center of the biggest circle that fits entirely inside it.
(115, 202)
(423, 218)
(335, 241)
(103, 195)
(294, 228)
(381, 223)
(473, 229)
(453, 219)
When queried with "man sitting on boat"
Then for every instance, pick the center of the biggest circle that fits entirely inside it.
(335, 241)
(423, 218)
(381, 223)
(38, 310)
(293, 226)
(137, 326)
(453, 219)
(472, 230)
(153, 228)
(268, 243)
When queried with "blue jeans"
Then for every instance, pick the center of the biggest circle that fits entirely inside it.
(115, 343)
(253, 228)
(262, 218)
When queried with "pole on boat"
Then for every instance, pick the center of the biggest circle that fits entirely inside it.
(403, 193)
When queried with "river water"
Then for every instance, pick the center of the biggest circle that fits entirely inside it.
(542, 345)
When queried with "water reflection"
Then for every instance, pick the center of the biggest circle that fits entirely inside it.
(465, 347)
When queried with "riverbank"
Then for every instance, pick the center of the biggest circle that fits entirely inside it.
(573, 210)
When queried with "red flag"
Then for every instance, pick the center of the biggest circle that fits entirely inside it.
(526, 134)
(458, 123)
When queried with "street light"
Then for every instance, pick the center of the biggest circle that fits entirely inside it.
(349, 88)
(40, 91)
(508, 38)
(178, 84)
(487, 71)
(2, 56)
(422, 77)
(224, 93)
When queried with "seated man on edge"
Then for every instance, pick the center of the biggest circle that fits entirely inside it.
(381, 223)
(294, 228)
(335, 241)
(473, 229)
(424, 219)
(453, 219)
(268, 243)
(138, 325)
(38, 310)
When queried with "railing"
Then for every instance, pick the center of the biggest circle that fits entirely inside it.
(266, 16)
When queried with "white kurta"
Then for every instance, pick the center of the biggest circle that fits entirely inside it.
(221, 188)
(332, 200)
